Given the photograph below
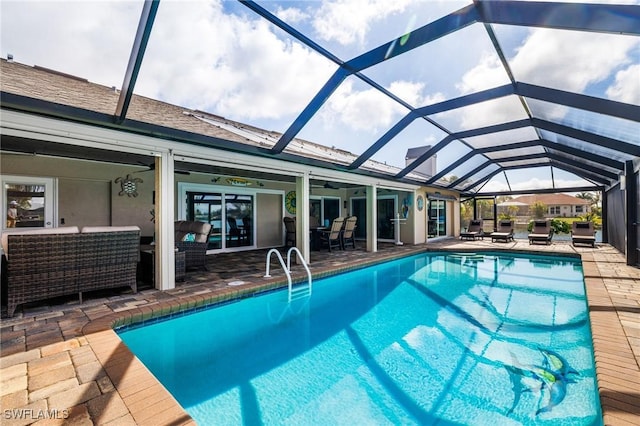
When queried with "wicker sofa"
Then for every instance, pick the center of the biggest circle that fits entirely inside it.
(53, 262)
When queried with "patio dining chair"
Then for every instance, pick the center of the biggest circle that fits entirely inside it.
(348, 233)
(234, 230)
(290, 228)
(542, 232)
(474, 230)
(333, 236)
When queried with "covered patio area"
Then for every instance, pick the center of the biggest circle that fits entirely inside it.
(65, 356)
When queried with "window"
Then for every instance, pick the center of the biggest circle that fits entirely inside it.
(554, 210)
(325, 209)
(28, 202)
(579, 209)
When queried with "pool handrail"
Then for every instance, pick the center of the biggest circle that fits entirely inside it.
(287, 267)
(304, 264)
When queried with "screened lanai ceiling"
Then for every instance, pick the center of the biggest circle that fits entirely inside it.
(500, 96)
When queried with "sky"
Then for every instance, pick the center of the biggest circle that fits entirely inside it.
(220, 57)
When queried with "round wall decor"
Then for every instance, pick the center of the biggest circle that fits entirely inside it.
(420, 203)
(290, 202)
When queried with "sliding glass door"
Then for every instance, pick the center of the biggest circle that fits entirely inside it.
(231, 216)
(437, 220)
(386, 211)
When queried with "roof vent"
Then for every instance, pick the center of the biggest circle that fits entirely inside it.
(9, 57)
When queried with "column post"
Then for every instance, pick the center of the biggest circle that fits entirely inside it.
(372, 219)
(165, 217)
(303, 239)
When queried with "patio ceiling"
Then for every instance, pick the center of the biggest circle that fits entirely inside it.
(520, 127)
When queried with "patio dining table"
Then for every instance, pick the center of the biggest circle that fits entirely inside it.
(316, 243)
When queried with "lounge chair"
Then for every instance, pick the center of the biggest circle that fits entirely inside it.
(503, 232)
(290, 227)
(332, 237)
(348, 233)
(474, 230)
(541, 232)
(583, 233)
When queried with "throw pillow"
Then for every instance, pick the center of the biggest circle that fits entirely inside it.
(189, 238)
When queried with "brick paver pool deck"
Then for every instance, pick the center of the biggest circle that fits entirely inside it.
(61, 363)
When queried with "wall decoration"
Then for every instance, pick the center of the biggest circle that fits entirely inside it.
(420, 203)
(290, 202)
(406, 203)
(129, 185)
(236, 181)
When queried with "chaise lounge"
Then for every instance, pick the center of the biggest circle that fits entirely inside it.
(542, 232)
(583, 233)
(503, 232)
(474, 230)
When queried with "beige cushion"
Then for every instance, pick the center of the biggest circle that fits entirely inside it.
(86, 229)
(42, 231)
(199, 229)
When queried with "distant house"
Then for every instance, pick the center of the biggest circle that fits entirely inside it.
(558, 205)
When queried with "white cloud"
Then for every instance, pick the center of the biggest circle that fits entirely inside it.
(487, 74)
(565, 60)
(230, 65)
(366, 110)
(369, 110)
(90, 40)
(570, 60)
(349, 21)
(626, 87)
(291, 15)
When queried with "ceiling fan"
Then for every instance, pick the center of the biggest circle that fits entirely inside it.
(327, 185)
(152, 166)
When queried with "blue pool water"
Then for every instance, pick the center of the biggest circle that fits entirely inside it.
(434, 338)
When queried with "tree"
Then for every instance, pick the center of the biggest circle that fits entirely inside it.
(586, 196)
(510, 213)
(538, 210)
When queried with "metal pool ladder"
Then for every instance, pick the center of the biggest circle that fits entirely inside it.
(300, 290)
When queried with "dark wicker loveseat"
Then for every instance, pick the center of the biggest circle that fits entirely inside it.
(61, 261)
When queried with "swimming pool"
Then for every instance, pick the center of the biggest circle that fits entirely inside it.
(448, 338)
